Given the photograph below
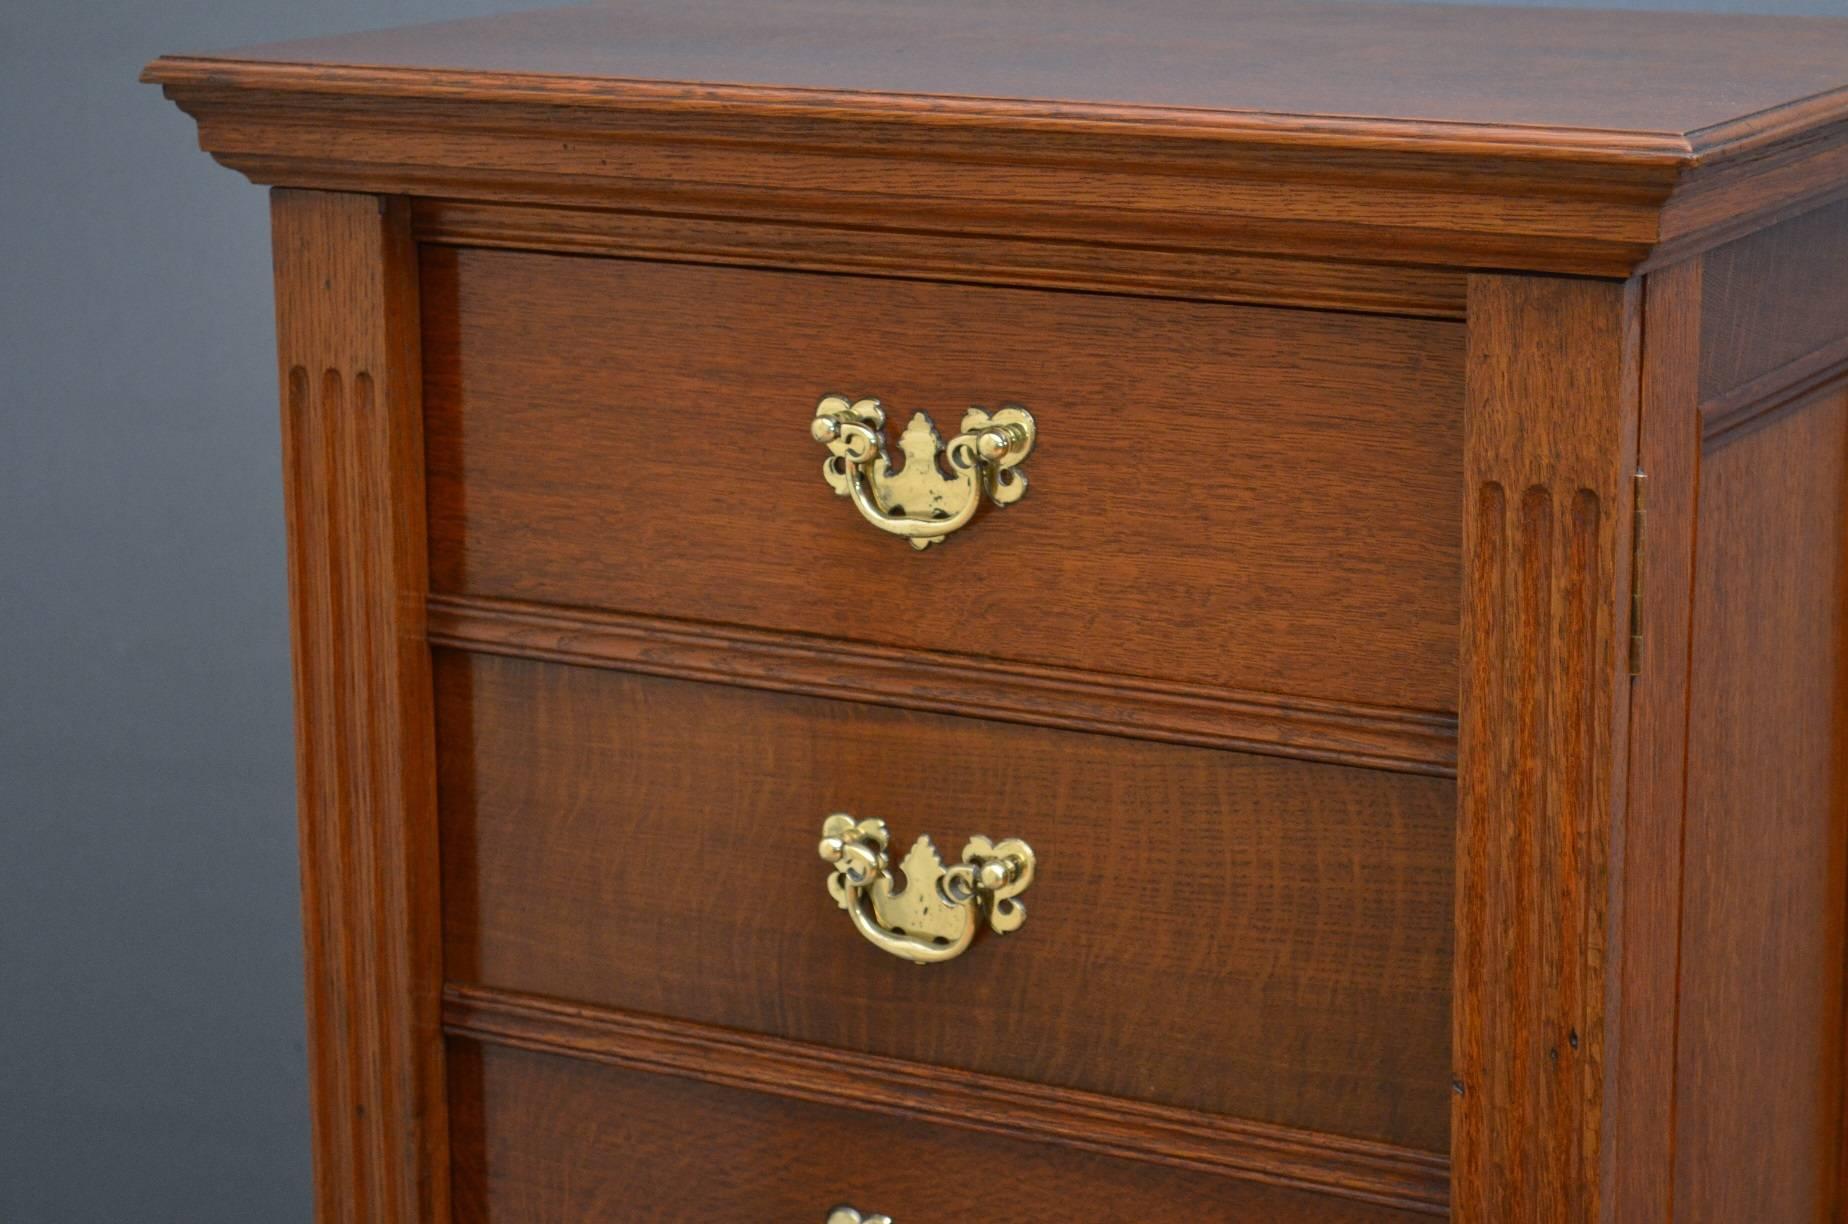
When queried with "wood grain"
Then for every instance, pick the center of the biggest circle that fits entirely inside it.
(1760, 1058)
(1178, 268)
(1262, 938)
(1175, 1138)
(1645, 917)
(346, 305)
(1761, 401)
(1218, 493)
(1343, 733)
(1377, 198)
(1500, 138)
(1549, 450)
(1346, 329)
(1683, 73)
(540, 1137)
(1775, 301)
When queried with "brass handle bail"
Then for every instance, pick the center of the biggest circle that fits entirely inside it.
(847, 1215)
(934, 916)
(919, 501)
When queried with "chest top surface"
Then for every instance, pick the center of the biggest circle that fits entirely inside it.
(1671, 74)
(1636, 129)
(1645, 73)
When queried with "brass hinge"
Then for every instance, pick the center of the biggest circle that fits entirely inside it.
(1638, 530)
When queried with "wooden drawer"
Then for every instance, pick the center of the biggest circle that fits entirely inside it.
(543, 1140)
(1235, 962)
(1263, 501)
(1224, 934)
(1417, 663)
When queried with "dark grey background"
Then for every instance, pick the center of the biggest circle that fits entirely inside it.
(151, 1043)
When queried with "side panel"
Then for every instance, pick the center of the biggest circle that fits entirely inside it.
(1729, 909)
(1774, 306)
(1760, 1052)
(346, 305)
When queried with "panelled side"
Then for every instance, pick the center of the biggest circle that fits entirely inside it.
(1760, 1039)
(1760, 1051)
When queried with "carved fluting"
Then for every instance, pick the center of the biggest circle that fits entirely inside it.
(1536, 574)
(1549, 452)
(333, 438)
(365, 747)
(310, 468)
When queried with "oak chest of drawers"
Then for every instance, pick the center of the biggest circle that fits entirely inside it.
(1290, 557)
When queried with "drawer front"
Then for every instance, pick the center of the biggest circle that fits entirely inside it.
(1236, 934)
(1258, 500)
(537, 1139)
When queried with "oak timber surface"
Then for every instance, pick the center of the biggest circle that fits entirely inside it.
(586, 451)
(346, 305)
(1569, 142)
(1662, 73)
(1759, 1121)
(1245, 935)
(541, 1138)
(1774, 305)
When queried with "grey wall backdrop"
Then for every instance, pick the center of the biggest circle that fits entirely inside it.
(151, 1041)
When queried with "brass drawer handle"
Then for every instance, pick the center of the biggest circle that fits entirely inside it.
(934, 917)
(847, 1215)
(918, 502)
